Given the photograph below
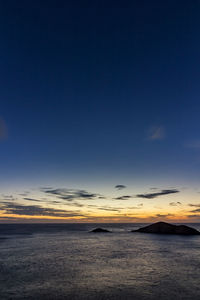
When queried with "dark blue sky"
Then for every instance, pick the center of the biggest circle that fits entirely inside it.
(99, 91)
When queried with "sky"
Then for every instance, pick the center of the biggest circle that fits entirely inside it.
(99, 111)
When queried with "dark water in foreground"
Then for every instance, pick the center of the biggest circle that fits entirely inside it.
(66, 262)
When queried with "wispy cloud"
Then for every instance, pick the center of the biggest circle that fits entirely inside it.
(74, 204)
(71, 194)
(195, 210)
(157, 194)
(164, 215)
(109, 209)
(139, 206)
(24, 193)
(175, 203)
(194, 205)
(120, 186)
(31, 199)
(8, 197)
(195, 144)
(126, 197)
(11, 208)
(106, 208)
(194, 216)
(156, 133)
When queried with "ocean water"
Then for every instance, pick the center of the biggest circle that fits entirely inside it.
(65, 261)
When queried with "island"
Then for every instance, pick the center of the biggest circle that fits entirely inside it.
(166, 228)
(100, 230)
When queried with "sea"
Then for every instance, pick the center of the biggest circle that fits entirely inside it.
(67, 261)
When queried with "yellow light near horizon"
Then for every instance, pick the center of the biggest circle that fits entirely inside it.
(41, 217)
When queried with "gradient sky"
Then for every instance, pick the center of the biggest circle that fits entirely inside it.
(96, 94)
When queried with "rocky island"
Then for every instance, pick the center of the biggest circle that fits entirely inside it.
(166, 228)
(100, 230)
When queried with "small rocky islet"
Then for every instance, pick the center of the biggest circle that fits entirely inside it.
(100, 230)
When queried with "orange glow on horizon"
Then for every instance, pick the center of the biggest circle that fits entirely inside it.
(101, 218)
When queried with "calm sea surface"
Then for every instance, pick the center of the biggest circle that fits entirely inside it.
(65, 261)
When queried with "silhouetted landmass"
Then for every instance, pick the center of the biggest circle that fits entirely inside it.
(100, 230)
(166, 228)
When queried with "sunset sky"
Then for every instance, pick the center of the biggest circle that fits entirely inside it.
(99, 111)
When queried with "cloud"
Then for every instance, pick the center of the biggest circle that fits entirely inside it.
(195, 144)
(196, 210)
(8, 197)
(120, 186)
(71, 194)
(109, 209)
(164, 215)
(31, 199)
(194, 205)
(156, 133)
(24, 193)
(75, 204)
(175, 203)
(70, 203)
(8, 218)
(194, 216)
(36, 210)
(106, 208)
(3, 129)
(126, 197)
(134, 207)
(157, 194)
